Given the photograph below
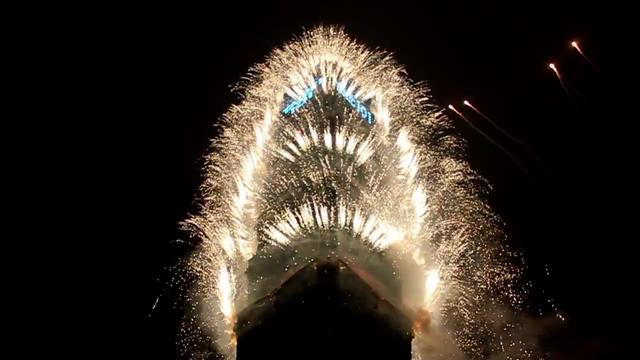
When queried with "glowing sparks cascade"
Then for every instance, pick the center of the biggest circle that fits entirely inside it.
(334, 153)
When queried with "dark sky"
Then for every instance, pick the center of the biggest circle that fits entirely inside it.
(567, 215)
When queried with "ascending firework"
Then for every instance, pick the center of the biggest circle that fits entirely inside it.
(333, 153)
(553, 67)
(574, 44)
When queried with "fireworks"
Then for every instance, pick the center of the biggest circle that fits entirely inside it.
(553, 67)
(574, 44)
(489, 138)
(334, 148)
(503, 131)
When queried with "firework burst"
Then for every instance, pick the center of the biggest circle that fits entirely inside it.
(333, 152)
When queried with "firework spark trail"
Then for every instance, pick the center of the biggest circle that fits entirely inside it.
(575, 45)
(490, 139)
(553, 67)
(332, 141)
(503, 131)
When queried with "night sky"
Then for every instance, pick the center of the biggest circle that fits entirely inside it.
(567, 215)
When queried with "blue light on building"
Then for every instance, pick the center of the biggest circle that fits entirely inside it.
(361, 108)
(356, 104)
(297, 104)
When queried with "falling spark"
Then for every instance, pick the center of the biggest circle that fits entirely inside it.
(155, 303)
(503, 131)
(490, 139)
(377, 173)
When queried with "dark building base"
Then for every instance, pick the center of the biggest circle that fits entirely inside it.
(325, 311)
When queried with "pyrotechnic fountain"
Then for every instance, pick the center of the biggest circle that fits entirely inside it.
(334, 153)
